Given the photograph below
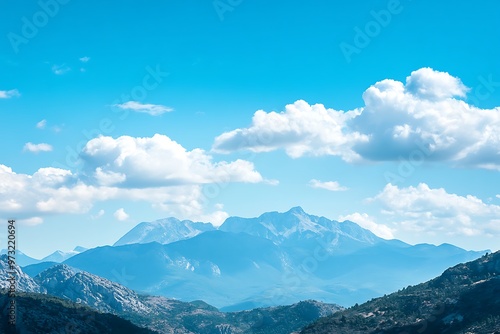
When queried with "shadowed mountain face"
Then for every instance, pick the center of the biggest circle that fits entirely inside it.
(274, 259)
(464, 299)
(39, 313)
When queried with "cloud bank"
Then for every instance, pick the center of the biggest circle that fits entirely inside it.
(151, 169)
(422, 209)
(427, 112)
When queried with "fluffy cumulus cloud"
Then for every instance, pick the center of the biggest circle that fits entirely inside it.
(121, 215)
(365, 221)
(328, 185)
(422, 209)
(301, 129)
(431, 84)
(151, 109)
(35, 148)
(47, 191)
(156, 170)
(427, 115)
(158, 161)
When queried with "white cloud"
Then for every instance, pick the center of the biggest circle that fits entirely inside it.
(430, 211)
(7, 94)
(156, 170)
(424, 116)
(365, 221)
(431, 84)
(35, 148)
(302, 129)
(52, 191)
(47, 191)
(498, 196)
(158, 161)
(329, 185)
(41, 124)
(151, 109)
(272, 182)
(216, 218)
(121, 215)
(60, 69)
(84, 59)
(31, 221)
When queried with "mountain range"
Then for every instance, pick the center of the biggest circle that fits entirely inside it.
(57, 256)
(163, 231)
(166, 275)
(464, 299)
(274, 259)
(159, 314)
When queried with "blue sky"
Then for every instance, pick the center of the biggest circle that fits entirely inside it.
(382, 112)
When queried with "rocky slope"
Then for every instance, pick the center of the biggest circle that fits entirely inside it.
(464, 299)
(160, 314)
(40, 313)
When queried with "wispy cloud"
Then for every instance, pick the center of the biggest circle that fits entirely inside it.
(329, 185)
(84, 59)
(60, 69)
(33, 221)
(98, 215)
(151, 109)
(41, 124)
(7, 94)
(35, 148)
(121, 215)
